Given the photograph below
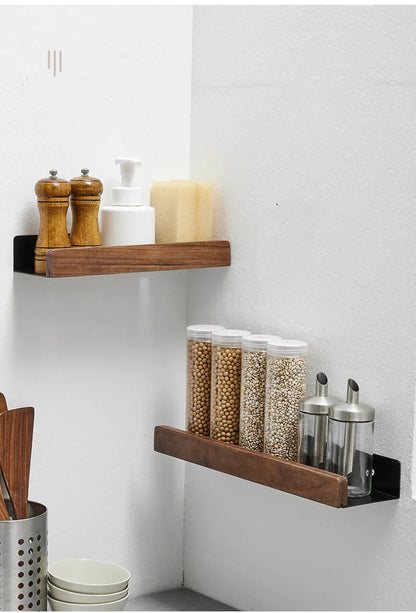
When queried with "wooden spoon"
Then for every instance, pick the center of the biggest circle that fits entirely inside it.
(16, 431)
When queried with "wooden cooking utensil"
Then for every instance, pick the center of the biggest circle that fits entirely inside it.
(3, 403)
(4, 514)
(16, 430)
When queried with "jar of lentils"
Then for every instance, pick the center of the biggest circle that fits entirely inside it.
(198, 381)
(253, 390)
(226, 384)
(285, 386)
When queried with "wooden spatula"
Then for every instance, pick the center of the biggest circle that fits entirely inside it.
(16, 430)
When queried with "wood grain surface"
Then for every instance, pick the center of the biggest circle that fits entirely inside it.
(4, 514)
(291, 477)
(81, 261)
(16, 430)
(85, 203)
(53, 201)
(3, 403)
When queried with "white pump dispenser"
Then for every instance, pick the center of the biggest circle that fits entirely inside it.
(128, 221)
(126, 194)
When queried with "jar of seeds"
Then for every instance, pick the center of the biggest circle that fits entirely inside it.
(226, 384)
(253, 390)
(286, 385)
(198, 381)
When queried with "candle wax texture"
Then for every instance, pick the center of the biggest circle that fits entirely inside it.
(184, 210)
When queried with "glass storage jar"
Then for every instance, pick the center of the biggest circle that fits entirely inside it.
(285, 386)
(226, 384)
(253, 390)
(350, 442)
(198, 380)
(313, 424)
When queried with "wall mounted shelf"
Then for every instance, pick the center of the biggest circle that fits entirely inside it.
(291, 477)
(82, 261)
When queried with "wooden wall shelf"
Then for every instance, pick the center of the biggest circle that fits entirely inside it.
(82, 261)
(291, 477)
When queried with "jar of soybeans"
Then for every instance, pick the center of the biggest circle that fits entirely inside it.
(198, 387)
(253, 390)
(285, 387)
(226, 384)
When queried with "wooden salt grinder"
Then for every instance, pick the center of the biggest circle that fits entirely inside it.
(85, 202)
(53, 202)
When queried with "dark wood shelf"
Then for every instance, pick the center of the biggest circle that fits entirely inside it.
(291, 477)
(82, 261)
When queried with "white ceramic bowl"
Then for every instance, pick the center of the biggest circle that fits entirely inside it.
(88, 576)
(79, 598)
(59, 605)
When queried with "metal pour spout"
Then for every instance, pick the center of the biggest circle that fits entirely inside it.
(321, 424)
(321, 385)
(350, 429)
(353, 392)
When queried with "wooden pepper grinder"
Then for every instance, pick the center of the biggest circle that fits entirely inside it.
(53, 201)
(85, 202)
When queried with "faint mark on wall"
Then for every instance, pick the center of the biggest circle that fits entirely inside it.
(55, 61)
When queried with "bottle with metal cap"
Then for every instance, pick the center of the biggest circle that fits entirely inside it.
(85, 202)
(350, 442)
(53, 201)
(313, 424)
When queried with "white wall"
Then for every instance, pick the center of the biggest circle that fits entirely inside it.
(311, 108)
(101, 358)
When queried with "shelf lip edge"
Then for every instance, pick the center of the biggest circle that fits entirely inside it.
(85, 261)
(330, 489)
(179, 245)
(284, 475)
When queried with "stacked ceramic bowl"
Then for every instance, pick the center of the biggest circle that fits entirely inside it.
(87, 585)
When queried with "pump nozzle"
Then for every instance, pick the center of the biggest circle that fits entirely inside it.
(127, 169)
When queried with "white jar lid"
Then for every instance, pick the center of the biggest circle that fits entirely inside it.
(258, 342)
(287, 348)
(229, 337)
(201, 332)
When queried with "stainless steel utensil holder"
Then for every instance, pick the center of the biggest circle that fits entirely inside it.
(24, 561)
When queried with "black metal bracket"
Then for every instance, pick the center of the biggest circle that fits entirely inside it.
(23, 254)
(386, 482)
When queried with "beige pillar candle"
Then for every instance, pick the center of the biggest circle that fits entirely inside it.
(184, 210)
(204, 211)
(174, 203)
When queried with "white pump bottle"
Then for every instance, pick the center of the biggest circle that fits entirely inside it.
(128, 221)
